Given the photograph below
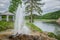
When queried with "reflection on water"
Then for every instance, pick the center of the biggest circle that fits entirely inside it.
(48, 26)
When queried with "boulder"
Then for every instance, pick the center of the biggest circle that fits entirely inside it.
(58, 21)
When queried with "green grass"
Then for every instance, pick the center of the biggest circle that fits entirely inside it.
(5, 25)
(50, 34)
(58, 37)
(34, 27)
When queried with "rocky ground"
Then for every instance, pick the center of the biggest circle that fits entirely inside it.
(33, 36)
(6, 35)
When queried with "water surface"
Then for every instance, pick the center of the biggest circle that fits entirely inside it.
(48, 26)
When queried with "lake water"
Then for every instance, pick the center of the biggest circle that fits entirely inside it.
(48, 26)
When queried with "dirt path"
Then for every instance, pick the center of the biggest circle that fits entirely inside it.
(4, 34)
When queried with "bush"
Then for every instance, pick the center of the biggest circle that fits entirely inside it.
(5, 25)
(58, 37)
(50, 34)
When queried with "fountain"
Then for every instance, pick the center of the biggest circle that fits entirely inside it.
(19, 26)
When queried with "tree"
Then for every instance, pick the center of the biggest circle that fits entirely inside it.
(33, 6)
(13, 5)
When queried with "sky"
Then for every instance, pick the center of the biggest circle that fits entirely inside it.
(50, 5)
(4, 4)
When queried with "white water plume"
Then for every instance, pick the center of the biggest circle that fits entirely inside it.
(19, 26)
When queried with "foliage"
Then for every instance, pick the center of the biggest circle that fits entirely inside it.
(33, 6)
(13, 5)
(5, 25)
(58, 37)
(34, 16)
(34, 27)
(4, 18)
(50, 34)
(58, 34)
(52, 15)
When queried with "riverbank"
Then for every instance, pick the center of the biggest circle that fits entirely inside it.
(5, 34)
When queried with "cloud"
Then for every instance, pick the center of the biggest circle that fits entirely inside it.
(4, 4)
(4, 1)
(45, 0)
(1, 5)
(51, 5)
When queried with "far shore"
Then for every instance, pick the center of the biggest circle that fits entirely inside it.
(44, 20)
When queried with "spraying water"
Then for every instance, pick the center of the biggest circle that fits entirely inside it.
(19, 26)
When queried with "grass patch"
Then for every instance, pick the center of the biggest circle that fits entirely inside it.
(58, 37)
(5, 25)
(34, 27)
(50, 34)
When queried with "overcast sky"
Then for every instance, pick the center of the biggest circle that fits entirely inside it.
(50, 5)
(4, 4)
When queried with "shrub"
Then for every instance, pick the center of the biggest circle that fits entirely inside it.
(5, 25)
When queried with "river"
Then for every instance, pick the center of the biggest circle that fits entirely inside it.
(48, 26)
